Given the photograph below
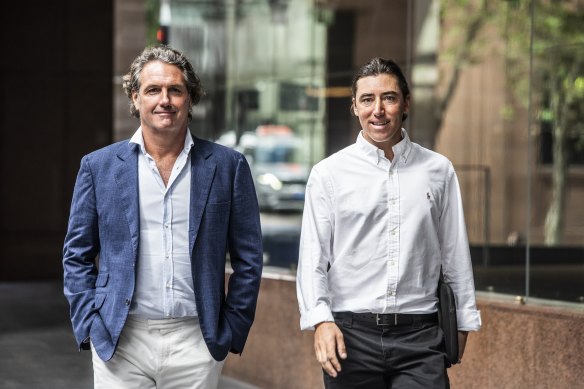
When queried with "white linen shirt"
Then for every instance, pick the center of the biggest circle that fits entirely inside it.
(164, 281)
(385, 227)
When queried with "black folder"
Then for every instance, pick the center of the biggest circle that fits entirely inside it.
(447, 319)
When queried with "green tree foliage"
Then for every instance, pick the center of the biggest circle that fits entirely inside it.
(557, 80)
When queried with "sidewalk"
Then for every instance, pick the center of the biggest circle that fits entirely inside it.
(38, 349)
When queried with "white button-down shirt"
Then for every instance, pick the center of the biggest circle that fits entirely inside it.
(164, 281)
(385, 228)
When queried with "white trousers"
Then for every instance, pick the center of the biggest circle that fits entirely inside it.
(167, 353)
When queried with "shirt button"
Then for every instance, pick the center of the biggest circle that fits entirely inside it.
(127, 302)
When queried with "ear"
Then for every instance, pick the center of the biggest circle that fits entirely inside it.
(135, 99)
(407, 104)
(354, 108)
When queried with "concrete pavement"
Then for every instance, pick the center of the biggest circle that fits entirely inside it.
(37, 346)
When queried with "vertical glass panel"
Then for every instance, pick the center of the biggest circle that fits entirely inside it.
(263, 66)
(278, 79)
(482, 102)
(557, 139)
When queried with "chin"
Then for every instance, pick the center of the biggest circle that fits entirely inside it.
(379, 138)
(382, 137)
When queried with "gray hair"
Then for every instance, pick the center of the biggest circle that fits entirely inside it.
(166, 54)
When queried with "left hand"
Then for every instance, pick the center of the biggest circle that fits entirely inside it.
(462, 336)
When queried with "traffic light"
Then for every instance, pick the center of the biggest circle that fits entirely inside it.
(162, 35)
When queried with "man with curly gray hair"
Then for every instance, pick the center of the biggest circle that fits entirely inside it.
(131, 81)
(161, 210)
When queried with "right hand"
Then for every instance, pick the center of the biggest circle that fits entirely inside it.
(328, 343)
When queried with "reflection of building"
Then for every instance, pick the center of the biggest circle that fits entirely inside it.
(486, 135)
(257, 60)
(72, 114)
(290, 62)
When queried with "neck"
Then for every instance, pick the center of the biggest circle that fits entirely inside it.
(387, 144)
(164, 145)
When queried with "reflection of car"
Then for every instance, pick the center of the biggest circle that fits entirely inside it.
(280, 176)
(277, 164)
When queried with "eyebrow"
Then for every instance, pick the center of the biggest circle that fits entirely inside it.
(145, 86)
(393, 93)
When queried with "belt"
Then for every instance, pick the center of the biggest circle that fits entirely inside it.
(388, 319)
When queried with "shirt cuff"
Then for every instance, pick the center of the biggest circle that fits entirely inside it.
(468, 319)
(320, 313)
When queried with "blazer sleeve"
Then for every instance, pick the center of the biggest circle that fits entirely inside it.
(80, 250)
(246, 254)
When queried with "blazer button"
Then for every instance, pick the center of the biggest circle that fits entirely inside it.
(127, 301)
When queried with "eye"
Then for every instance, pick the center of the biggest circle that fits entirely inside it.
(366, 100)
(391, 99)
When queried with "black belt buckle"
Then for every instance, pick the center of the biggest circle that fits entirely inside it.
(380, 322)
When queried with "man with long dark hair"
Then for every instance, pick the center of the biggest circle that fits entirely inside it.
(381, 218)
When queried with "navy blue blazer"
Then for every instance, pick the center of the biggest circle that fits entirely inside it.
(104, 221)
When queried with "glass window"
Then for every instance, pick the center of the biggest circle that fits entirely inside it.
(497, 87)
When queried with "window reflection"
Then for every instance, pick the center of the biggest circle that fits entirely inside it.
(278, 75)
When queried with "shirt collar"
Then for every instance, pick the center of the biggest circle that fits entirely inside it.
(400, 150)
(138, 139)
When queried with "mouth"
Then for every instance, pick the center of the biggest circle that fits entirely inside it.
(379, 123)
(165, 113)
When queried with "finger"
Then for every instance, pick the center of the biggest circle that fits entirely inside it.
(320, 355)
(329, 369)
(334, 362)
(331, 354)
(341, 349)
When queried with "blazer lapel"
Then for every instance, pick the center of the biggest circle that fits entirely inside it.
(202, 172)
(127, 185)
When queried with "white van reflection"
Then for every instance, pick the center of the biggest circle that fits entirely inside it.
(276, 159)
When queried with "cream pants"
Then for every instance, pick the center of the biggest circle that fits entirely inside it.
(167, 353)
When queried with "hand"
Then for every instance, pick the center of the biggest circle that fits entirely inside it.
(328, 342)
(462, 336)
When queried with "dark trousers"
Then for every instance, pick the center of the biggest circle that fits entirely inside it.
(397, 357)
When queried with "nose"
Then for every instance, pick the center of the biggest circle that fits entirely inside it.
(378, 107)
(164, 97)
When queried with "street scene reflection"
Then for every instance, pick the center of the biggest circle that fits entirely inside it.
(280, 171)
